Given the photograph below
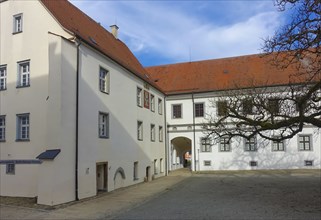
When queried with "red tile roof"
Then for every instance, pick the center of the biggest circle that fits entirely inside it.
(82, 26)
(219, 74)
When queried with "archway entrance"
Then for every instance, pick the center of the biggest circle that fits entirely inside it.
(180, 153)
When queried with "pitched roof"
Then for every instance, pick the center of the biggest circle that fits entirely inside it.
(82, 26)
(219, 74)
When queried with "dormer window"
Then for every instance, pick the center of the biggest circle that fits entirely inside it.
(17, 23)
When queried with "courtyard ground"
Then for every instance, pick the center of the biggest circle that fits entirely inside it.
(279, 194)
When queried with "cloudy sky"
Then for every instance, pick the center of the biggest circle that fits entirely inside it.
(163, 32)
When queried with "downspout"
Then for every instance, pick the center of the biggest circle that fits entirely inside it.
(194, 132)
(77, 123)
(166, 139)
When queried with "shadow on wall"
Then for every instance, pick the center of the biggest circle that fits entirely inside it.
(265, 158)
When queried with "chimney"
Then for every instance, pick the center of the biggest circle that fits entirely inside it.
(114, 30)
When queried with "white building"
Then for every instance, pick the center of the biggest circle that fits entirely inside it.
(192, 90)
(72, 123)
(79, 114)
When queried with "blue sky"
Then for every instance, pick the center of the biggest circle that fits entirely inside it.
(163, 32)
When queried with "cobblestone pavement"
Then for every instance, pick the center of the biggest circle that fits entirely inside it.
(182, 195)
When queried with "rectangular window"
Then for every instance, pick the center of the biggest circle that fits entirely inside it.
(152, 132)
(207, 163)
(160, 106)
(103, 125)
(10, 168)
(139, 97)
(250, 145)
(225, 144)
(222, 108)
(177, 111)
(136, 170)
(305, 142)
(206, 145)
(17, 23)
(199, 109)
(3, 77)
(146, 99)
(274, 106)
(160, 134)
(152, 102)
(247, 107)
(2, 128)
(103, 80)
(155, 167)
(308, 163)
(253, 163)
(23, 74)
(278, 145)
(161, 165)
(140, 130)
(23, 127)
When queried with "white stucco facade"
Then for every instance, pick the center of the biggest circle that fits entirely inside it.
(237, 158)
(50, 103)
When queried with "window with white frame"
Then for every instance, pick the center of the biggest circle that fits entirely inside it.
(17, 23)
(152, 132)
(160, 106)
(103, 125)
(10, 168)
(206, 145)
(3, 77)
(222, 109)
(155, 167)
(103, 80)
(23, 74)
(207, 163)
(250, 144)
(277, 145)
(136, 170)
(140, 130)
(247, 106)
(305, 142)
(2, 128)
(160, 134)
(139, 96)
(177, 111)
(161, 166)
(274, 106)
(199, 109)
(225, 144)
(152, 102)
(23, 127)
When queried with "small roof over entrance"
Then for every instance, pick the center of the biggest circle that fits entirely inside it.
(49, 154)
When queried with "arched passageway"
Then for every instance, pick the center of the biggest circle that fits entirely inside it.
(180, 153)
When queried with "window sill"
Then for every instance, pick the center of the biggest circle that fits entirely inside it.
(17, 32)
(18, 87)
(104, 92)
(3, 89)
(22, 140)
(140, 139)
(104, 137)
(2, 141)
(135, 179)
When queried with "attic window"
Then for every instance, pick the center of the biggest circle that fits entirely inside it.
(92, 40)
(225, 71)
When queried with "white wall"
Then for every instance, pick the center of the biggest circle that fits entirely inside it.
(122, 148)
(237, 158)
(31, 44)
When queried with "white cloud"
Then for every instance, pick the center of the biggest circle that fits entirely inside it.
(171, 30)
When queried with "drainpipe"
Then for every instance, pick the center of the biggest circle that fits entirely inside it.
(77, 122)
(194, 132)
(166, 139)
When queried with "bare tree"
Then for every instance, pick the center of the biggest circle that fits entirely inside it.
(278, 113)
